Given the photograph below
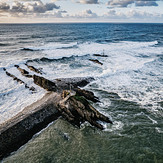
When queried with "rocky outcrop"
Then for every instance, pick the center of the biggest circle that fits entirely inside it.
(71, 83)
(45, 83)
(24, 72)
(76, 109)
(87, 94)
(96, 61)
(19, 80)
(32, 68)
(100, 55)
(65, 99)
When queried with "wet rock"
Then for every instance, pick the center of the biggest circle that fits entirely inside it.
(73, 82)
(44, 83)
(23, 72)
(34, 69)
(87, 94)
(96, 61)
(19, 80)
(100, 55)
(28, 49)
(76, 110)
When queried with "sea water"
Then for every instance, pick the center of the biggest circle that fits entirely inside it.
(129, 85)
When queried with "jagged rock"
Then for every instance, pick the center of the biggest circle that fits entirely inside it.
(76, 110)
(44, 83)
(70, 83)
(100, 55)
(66, 100)
(28, 49)
(19, 80)
(96, 61)
(33, 69)
(87, 94)
(23, 72)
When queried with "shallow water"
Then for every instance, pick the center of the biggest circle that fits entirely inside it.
(129, 85)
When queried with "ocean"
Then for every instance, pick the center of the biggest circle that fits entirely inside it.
(129, 85)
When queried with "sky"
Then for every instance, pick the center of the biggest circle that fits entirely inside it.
(57, 11)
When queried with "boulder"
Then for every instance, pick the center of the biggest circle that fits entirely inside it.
(32, 68)
(96, 61)
(100, 55)
(23, 72)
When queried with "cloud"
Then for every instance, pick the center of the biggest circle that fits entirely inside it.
(146, 3)
(131, 14)
(26, 7)
(125, 3)
(4, 6)
(59, 14)
(85, 14)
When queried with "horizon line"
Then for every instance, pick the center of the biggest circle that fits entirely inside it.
(86, 23)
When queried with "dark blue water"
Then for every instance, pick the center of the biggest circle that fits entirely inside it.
(129, 85)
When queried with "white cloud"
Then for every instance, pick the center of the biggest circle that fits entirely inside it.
(125, 3)
(131, 14)
(85, 14)
(36, 6)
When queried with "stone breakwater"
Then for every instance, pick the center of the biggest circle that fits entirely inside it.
(63, 99)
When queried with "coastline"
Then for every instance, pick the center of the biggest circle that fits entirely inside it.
(18, 130)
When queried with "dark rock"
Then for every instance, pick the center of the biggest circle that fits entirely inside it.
(19, 80)
(76, 110)
(44, 83)
(100, 55)
(34, 69)
(28, 49)
(87, 94)
(23, 72)
(96, 61)
(71, 83)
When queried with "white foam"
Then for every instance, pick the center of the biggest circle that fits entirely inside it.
(125, 71)
(117, 125)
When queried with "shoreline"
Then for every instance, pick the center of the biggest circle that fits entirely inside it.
(19, 130)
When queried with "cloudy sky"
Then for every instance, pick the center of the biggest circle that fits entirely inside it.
(44, 11)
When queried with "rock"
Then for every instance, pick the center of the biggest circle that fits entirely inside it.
(19, 80)
(23, 72)
(87, 94)
(28, 49)
(33, 69)
(73, 82)
(100, 55)
(96, 61)
(65, 93)
(76, 110)
(45, 83)
(65, 99)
